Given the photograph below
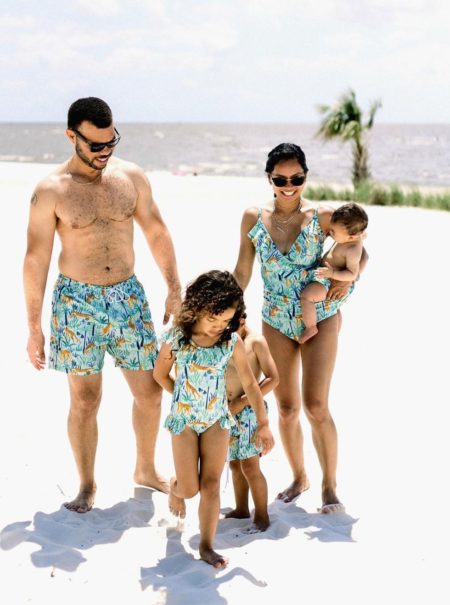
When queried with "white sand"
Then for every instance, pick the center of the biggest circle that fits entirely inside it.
(389, 400)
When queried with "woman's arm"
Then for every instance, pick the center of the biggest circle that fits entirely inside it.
(244, 265)
(163, 366)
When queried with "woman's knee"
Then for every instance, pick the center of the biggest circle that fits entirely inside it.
(288, 410)
(316, 409)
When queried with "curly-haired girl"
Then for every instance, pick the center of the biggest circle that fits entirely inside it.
(201, 343)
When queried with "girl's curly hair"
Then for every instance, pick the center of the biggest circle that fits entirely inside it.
(211, 293)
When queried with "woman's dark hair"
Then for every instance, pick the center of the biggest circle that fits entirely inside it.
(283, 152)
(211, 293)
(352, 217)
(92, 110)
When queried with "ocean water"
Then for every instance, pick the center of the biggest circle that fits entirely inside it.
(412, 154)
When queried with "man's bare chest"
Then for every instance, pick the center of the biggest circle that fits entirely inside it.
(81, 205)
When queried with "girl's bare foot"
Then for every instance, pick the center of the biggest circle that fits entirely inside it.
(213, 558)
(83, 502)
(297, 487)
(177, 505)
(237, 513)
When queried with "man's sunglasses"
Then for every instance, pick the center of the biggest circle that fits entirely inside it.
(282, 181)
(94, 147)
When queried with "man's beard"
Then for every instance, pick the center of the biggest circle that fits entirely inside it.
(87, 161)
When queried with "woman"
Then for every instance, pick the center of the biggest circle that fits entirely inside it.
(288, 238)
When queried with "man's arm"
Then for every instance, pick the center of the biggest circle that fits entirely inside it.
(158, 238)
(40, 237)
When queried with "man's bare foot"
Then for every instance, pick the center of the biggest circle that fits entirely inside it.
(177, 505)
(296, 488)
(237, 513)
(153, 480)
(258, 526)
(307, 334)
(83, 502)
(213, 558)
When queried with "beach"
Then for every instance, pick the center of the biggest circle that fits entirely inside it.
(389, 401)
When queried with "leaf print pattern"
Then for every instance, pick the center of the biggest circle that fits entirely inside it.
(88, 320)
(285, 275)
(199, 396)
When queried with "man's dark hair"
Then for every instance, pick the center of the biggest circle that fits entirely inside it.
(352, 217)
(92, 110)
(283, 152)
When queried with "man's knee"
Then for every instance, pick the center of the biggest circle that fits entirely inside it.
(85, 399)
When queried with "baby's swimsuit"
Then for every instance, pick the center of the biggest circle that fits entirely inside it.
(285, 275)
(88, 320)
(242, 435)
(199, 397)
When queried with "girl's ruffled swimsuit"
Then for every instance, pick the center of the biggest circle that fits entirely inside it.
(199, 397)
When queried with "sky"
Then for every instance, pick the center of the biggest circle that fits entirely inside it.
(225, 61)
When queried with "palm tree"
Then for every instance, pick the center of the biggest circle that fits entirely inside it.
(345, 120)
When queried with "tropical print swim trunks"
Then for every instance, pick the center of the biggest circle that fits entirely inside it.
(285, 275)
(243, 433)
(88, 320)
(199, 398)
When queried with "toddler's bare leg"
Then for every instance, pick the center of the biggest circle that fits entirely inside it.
(313, 293)
(240, 486)
(258, 487)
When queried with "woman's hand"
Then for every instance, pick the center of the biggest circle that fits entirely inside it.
(338, 289)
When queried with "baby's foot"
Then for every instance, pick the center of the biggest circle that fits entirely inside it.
(307, 334)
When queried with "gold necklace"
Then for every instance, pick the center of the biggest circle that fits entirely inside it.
(281, 223)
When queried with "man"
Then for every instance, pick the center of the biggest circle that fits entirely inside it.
(98, 304)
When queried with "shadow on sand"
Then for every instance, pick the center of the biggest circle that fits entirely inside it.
(182, 578)
(64, 535)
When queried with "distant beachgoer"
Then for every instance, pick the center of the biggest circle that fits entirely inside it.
(200, 345)
(98, 304)
(244, 454)
(288, 236)
(347, 227)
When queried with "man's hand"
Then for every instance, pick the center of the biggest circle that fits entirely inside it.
(173, 304)
(35, 349)
(264, 439)
(338, 289)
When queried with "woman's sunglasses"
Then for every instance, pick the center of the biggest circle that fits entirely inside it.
(94, 147)
(282, 181)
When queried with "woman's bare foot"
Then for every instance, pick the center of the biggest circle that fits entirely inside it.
(153, 480)
(297, 487)
(308, 333)
(237, 513)
(83, 502)
(330, 503)
(213, 558)
(177, 505)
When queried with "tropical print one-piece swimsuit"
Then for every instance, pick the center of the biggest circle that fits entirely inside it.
(285, 275)
(199, 397)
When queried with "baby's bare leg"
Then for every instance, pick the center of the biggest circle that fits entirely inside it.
(313, 293)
